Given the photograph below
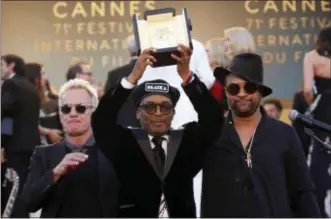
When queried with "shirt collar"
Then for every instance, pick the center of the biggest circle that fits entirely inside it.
(11, 75)
(229, 117)
(89, 143)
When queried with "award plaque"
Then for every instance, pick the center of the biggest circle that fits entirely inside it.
(163, 30)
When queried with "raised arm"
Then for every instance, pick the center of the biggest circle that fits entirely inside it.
(104, 118)
(210, 112)
(308, 77)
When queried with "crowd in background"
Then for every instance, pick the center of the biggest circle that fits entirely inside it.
(30, 105)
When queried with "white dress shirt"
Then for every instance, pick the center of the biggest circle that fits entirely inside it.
(200, 66)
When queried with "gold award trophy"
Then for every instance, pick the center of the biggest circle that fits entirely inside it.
(163, 30)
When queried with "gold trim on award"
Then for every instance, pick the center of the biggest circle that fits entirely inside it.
(163, 30)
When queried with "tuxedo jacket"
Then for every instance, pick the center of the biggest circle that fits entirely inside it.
(127, 115)
(40, 191)
(130, 152)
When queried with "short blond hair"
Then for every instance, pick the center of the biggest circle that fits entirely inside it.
(78, 83)
(241, 40)
(215, 48)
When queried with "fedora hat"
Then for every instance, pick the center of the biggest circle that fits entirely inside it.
(248, 66)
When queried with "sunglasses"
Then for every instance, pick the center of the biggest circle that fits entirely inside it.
(249, 88)
(151, 108)
(80, 108)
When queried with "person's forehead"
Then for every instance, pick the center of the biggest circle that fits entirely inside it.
(231, 78)
(85, 67)
(269, 106)
(156, 98)
(76, 96)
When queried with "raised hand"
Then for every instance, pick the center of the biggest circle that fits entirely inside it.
(144, 59)
(183, 62)
(69, 162)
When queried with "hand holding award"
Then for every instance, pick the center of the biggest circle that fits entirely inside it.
(163, 30)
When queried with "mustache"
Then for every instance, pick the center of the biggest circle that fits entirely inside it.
(243, 100)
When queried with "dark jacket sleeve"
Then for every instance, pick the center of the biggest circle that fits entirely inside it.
(111, 80)
(301, 188)
(39, 184)
(210, 121)
(7, 97)
(210, 111)
(104, 121)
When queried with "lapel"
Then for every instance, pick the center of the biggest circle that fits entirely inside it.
(175, 138)
(104, 171)
(58, 153)
(145, 145)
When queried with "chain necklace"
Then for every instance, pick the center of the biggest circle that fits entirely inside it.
(248, 149)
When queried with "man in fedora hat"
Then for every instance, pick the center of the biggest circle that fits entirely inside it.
(156, 165)
(257, 167)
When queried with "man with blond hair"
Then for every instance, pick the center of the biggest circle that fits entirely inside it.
(72, 179)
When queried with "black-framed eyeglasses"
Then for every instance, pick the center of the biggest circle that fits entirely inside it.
(151, 108)
(249, 88)
(80, 108)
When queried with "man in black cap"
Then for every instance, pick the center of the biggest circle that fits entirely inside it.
(156, 165)
(257, 167)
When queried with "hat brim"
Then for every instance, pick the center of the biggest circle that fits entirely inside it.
(221, 73)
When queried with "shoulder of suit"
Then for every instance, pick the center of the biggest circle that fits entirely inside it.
(279, 125)
(47, 147)
(119, 69)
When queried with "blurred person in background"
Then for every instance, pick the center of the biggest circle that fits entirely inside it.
(300, 104)
(273, 108)
(127, 114)
(80, 69)
(317, 69)
(217, 57)
(49, 89)
(19, 102)
(238, 40)
(35, 72)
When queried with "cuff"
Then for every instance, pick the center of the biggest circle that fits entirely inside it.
(127, 85)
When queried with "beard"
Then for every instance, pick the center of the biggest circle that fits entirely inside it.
(246, 111)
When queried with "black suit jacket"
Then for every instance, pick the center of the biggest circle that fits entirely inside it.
(131, 154)
(20, 102)
(127, 115)
(40, 191)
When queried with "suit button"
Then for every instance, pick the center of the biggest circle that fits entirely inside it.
(237, 179)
